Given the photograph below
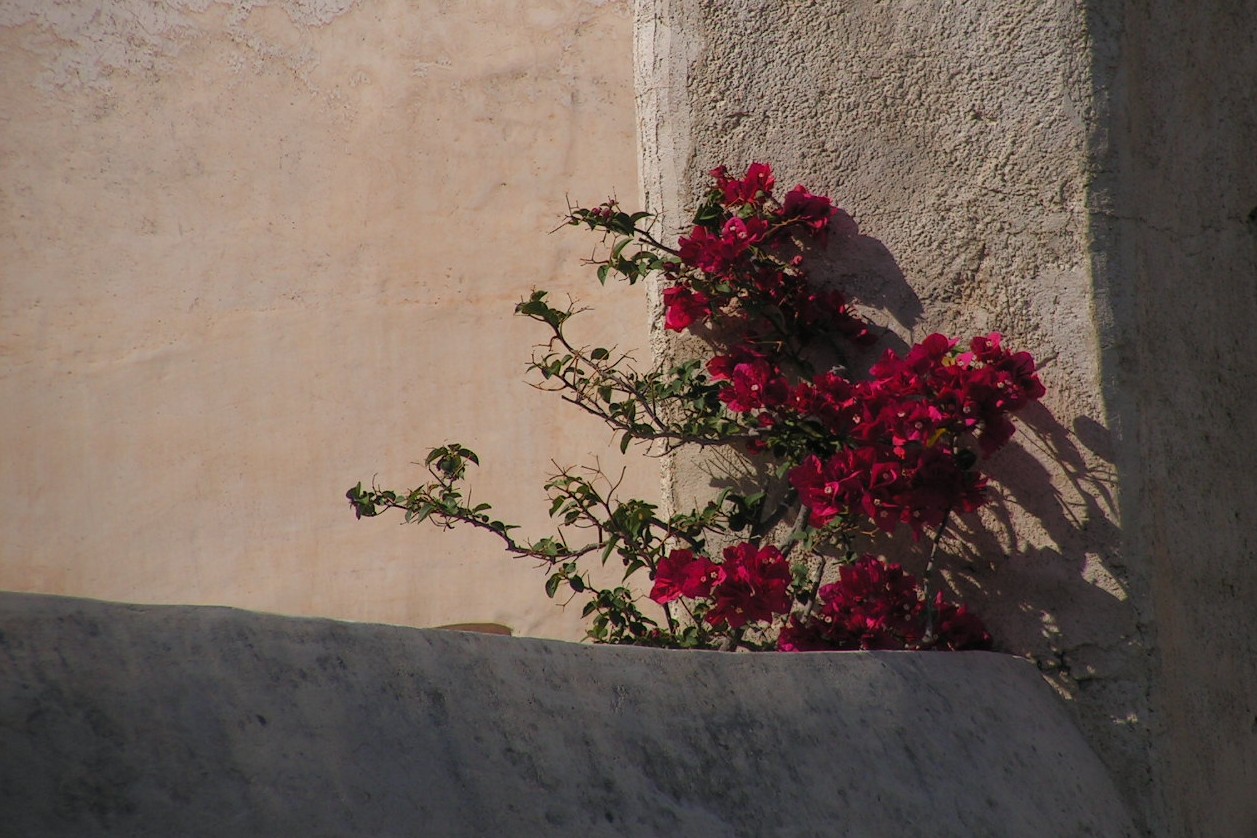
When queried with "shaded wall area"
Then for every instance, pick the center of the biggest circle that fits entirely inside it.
(255, 252)
(138, 720)
(1175, 220)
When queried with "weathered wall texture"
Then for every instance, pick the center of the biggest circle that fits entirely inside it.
(254, 252)
(1175, 225)
(251, 724)
(1080, 178)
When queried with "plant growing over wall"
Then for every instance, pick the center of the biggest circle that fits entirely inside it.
(842, 461)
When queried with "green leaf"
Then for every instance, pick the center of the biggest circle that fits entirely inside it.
(552, 584)
(619, 248)
(624, 441)
(419, 514)
(599, 354)
(536, 308)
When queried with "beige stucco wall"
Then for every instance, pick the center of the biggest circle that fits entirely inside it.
(254, 252)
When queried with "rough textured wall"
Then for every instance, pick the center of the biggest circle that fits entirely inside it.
(250, 724)
(254, 252)
(1080, 177)
(956, 134)
(1175, 220)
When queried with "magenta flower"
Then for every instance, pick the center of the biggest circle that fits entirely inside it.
(757, 184)
(813, 210)
(751, 586)
(684, 307)
(958, 628)
(740, 234)
(754, 385)
(707, 252)
(682, 574)
(831, 488)
(875, 605)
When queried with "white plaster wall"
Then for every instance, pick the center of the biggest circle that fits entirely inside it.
(254, 252)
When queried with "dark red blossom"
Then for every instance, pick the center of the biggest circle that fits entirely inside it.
(706, 251)
(876, 605)
(834, 486)
(768, 284)
(829, 399)
(754, 385)
(715, 254)
(720, 367)
(757, 184)
(916, 418)
(873, 605)
(747, 231)
(682, 574)
(829, 310)
(752, 585)
(958, 628)
(813, 210)
(684, 307)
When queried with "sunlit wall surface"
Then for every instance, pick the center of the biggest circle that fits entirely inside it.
(252, 253)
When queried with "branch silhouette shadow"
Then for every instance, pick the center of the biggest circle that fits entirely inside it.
(863, 269)
(1041, 562)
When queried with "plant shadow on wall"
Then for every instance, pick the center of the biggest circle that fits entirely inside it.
(1043, 560)
(841, 451)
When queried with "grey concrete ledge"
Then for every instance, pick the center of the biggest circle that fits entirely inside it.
(162, 720)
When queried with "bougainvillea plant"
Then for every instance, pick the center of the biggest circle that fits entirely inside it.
(844, 460)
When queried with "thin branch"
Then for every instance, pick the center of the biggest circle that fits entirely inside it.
(927, 576)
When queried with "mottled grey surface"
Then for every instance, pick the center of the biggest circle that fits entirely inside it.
(161, 720)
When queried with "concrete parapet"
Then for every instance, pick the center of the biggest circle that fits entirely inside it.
(155, 720)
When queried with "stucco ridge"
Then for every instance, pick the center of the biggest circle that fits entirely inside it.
(665, 50)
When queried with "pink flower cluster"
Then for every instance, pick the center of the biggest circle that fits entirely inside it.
(898, 447)
(750, 585)
(898, 443)
(904, 460)
(735, 264)
(875, 605)
(899, 437)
